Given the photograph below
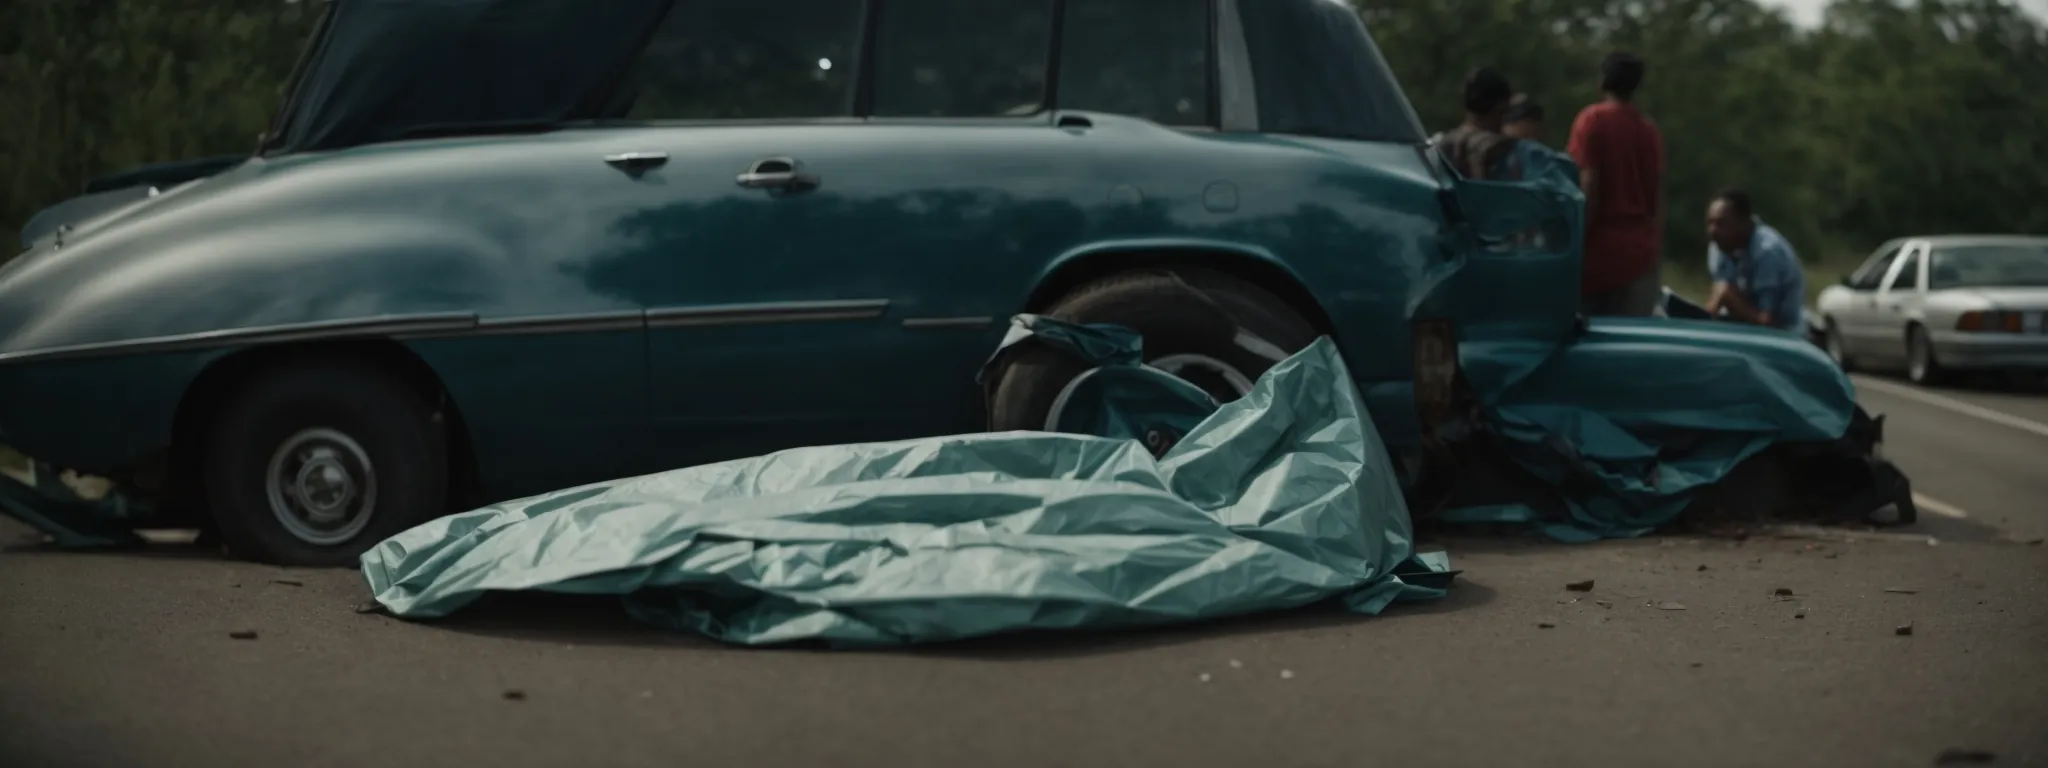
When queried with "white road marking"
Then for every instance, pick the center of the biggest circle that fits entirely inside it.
(1954, 405)
(1938, 506)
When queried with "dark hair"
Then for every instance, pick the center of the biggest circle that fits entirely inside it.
(1485, 89)
(1737, 201)
(1621, 73)
(1524, 108)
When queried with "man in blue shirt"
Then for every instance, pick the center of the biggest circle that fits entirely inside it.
(1757, 277)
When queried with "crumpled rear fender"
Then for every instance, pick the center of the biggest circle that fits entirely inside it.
(1707, 375)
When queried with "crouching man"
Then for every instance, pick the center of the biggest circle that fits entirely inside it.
(1757, 277)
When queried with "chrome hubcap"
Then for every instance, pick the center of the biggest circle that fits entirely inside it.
(1220, 379)
(321, 486)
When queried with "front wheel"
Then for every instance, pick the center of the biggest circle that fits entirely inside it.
(312, 464)
(1215, 331)
(1921, 365)
(1831, 338)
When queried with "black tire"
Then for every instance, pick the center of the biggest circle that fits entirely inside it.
(1831, 340)
(395, 431)
(1179, 312)
(1921, 366)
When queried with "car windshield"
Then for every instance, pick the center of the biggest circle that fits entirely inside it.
(1989, 266)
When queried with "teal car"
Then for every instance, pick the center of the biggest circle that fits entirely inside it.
(494, 248)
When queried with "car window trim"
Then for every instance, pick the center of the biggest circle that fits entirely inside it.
(1237, 94)
(1880, 262)
(1908, 255)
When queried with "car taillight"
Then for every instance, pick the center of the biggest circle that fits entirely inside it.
(1436, 372)
(1990, 322)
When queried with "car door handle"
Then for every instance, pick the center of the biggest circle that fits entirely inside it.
(781, 173)
(636, 163)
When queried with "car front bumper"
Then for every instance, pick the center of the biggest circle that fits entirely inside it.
(38, 501)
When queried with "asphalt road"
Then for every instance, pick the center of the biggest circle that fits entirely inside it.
(127, 660)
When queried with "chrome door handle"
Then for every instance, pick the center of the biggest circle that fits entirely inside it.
(778, 173)
(636, 163)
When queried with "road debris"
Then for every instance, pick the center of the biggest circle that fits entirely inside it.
(515, 695)
(371, 607)
(1904, 630)
(1698, 664)
(1603, 604)
(1799, 614)
(1287, 674)
(243, 634)
(1954, 756)
(1670, 605)
(288, 582)
(1235, 664)
(1897, 591)
(1703, 567)
(1546, 625)
(1580, 586)
(1204, 677)
(1782, 592)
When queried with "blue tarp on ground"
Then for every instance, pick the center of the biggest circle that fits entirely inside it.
(1283, 498)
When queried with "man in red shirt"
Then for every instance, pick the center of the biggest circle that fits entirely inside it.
(1621, 170)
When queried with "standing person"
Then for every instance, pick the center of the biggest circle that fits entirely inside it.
(1620, 155)
(1757, 277)
(1524, 119)
(1477, 147)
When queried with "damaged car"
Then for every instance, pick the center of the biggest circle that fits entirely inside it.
(491, 248)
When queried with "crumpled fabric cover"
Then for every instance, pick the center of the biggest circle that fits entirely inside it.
(1120, 397)
(1283, 498)
(1626, 417)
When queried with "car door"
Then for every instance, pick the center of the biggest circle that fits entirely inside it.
(1889, 311)
(1856, 317)
(835, 263)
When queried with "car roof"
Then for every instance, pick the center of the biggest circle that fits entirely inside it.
(1963, 240)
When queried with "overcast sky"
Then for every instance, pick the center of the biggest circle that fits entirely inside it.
(1807, 12)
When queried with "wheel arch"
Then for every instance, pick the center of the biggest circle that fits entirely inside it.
(1252, 265)
(216, 385)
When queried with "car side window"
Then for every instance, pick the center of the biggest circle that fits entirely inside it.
(748, 60)
(948, 58)
(1908, 278)
(1146, 59)
(1873, 272)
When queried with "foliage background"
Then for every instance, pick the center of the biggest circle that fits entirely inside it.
(1893, 117)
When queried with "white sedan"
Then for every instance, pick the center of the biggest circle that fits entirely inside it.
(1942, 304)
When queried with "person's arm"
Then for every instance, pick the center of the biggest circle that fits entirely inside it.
(1581, 146)
(1657, 186)
(1727, 298)
(1776, 277)
(1721, 269)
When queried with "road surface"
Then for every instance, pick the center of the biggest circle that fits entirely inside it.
(127, 660)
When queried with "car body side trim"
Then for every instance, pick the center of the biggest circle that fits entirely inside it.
(539, 325)
(383, 325)
(774, 312)
(948, 322)
(439, 325)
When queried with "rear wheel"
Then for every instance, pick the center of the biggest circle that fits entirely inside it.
(1921, 365)
(1217, 332)
(312, 464)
